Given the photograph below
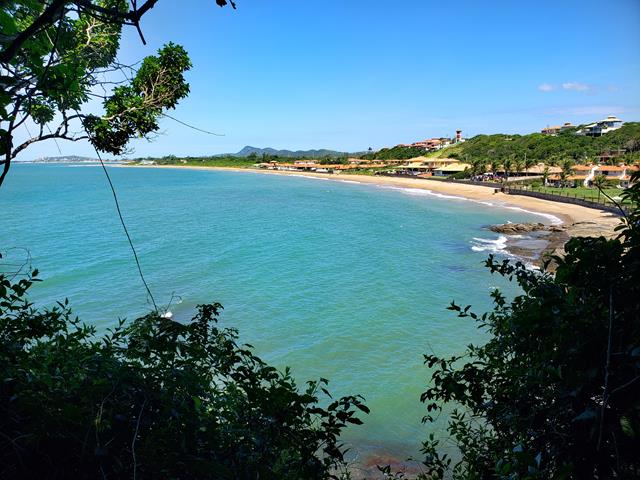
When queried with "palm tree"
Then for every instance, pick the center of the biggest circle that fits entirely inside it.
(479, 167)
(545, 175)
(494, 167)
(528, 163)
(519, 166)
(566, 170)
(508, 165)
(599, 182)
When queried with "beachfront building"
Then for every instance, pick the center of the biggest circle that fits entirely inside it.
(312, 166)
(425, 166)
(625, 180)
(539, 170)
(585, 174)
(450, 169)
(601, 127)
(413, 168)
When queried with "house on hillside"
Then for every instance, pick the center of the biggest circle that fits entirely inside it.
(601, 127)
(554, 130)
(610, 157)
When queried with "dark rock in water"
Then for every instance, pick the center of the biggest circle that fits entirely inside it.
(517, 228)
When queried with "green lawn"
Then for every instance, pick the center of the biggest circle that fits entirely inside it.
(583, 192)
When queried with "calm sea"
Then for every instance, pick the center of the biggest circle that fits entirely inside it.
(345, 281)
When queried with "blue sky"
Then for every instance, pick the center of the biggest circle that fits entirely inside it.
(353, 74)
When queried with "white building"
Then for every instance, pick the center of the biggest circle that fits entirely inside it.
(598, 129)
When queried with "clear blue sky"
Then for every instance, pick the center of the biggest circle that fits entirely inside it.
(350, 74)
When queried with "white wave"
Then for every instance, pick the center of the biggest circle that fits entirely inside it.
(493, 245)
(423, 192)
(554, 220)
(350, 181)
(312, 178)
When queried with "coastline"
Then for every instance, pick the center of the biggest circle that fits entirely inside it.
(576, 220)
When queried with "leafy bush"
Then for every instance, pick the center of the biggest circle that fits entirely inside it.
(395, 153)
(461, 175)
(153, 399)
(555, 393)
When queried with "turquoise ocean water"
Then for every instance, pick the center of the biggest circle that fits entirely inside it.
(340, 280)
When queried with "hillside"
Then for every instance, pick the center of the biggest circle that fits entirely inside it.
(545, 148)
(319, 153)
(535, 146)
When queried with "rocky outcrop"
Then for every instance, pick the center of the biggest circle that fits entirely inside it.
(518, 228)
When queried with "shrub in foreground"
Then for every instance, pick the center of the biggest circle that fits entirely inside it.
(555, 393)
(153, 399)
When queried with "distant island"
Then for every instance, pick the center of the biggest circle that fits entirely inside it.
(69, 159)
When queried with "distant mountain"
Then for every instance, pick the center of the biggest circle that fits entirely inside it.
(66, 159)
(246, 151)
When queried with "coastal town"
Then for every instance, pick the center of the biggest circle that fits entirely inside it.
(608, 167)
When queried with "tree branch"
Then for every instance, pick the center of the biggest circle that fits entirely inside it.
(42, 21)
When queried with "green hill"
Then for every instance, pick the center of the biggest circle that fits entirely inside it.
(535, 146)
(546, 148)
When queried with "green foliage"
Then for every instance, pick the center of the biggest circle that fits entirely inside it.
(537, 147)
(226, 161)
(461, 175)
(55, 55)
(133, 110)
(555, 393)
(333, 160)
(58, 57)
(395, 153)
(153, 399)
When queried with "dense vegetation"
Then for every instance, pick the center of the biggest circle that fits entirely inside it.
(555, 393)
(226, 161)
(154, 398)
(395, 153)
(547, 148)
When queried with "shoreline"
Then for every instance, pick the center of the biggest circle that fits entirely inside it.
(576, 220)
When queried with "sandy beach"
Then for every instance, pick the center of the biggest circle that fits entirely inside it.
(577, 220)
